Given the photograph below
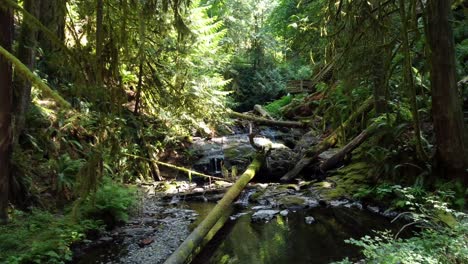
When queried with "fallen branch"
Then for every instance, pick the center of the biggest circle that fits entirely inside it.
(259, 109)
(207, 226)
(27, 74)
(189, 172)
(267, 122)
(352, 145)
(330, 141)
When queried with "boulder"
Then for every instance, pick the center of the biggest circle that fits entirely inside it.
(264, 215)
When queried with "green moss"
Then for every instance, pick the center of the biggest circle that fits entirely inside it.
(274, 108)
(346, 181)
(257, 195)
(291, 200)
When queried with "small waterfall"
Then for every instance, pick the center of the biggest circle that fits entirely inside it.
(215, 165)
(243, 200)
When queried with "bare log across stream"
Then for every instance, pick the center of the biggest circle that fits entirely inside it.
(313, 152)
(268, 122)
(259, 109)
(215, 217)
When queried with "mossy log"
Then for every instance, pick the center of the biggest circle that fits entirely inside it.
(330, 141)
(196, 238)
(189, 172)
(352, 145)
(26, 73)
(259, 109)
(268, 122)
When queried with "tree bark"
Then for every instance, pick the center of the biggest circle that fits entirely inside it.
(99, 41)
(196, 238)
(313, 153)
(27, 55)
(267, 122)
(52, 16)
(446, 104)
(6, 111)
(408, 81)
(138, 88)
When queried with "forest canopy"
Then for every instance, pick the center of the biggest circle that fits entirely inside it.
(96, 95)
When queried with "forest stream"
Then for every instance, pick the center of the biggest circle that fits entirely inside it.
(268, 223)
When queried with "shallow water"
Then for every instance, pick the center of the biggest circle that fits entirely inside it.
(290, 240)
(284, 239)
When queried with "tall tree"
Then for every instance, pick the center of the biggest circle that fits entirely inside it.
(52, 15)
(27, 54)
(6, 109)
(446, 106)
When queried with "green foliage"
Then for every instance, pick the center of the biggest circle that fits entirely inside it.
(40, 237)
(443, 238)
(66, 169)
(112, 202)
(274, 108)
(256, 86)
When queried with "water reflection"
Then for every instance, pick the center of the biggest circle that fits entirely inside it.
(290, 240)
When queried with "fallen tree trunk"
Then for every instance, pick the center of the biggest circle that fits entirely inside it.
(189, 172)
(312, 153)
(196, 238)
(267, 122)
(352, 145)
(259, 109)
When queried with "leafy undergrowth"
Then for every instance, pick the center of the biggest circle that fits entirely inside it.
(275, 108)
(44, 237)
(443, 237)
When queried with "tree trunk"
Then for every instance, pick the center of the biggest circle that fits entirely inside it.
(352, 145)
(267, 122)
(6, 110)
(313, 153)
(196, 238)
(446, 104)
(408, 81)
(27, 55)
(138, 89)
(52, 16)
(99, 41)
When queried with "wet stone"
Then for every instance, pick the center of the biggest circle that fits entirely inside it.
(373, 209)
(309, 220)
(264, 215)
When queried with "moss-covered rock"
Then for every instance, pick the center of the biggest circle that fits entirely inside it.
(345, 182)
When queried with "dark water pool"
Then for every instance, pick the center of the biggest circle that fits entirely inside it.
(290, 239)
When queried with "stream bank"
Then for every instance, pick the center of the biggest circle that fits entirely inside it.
(305, 211)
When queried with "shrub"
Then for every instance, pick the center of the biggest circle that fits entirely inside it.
(110, 203)
(40, 237)
(443, 239)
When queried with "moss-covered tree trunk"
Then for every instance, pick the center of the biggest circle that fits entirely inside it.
(99, 41)
(446, 104)
(6, 110)
(26, 53)
(196, 238)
